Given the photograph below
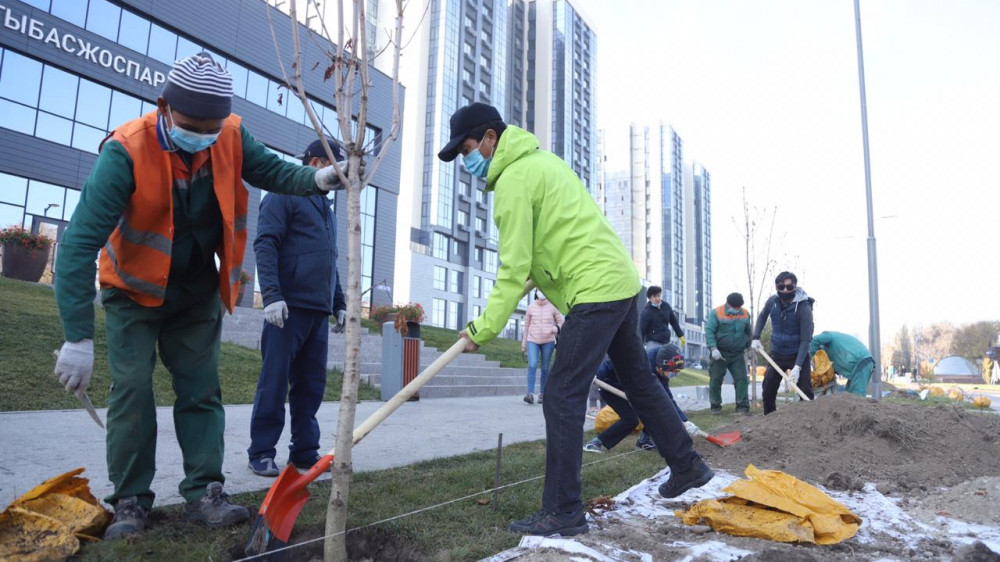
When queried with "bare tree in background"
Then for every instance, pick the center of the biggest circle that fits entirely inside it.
(348, 63)
(757, 231)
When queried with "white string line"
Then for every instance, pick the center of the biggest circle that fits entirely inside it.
(428, 508)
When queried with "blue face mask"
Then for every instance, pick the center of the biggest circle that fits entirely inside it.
(475, 163)
(189, 141)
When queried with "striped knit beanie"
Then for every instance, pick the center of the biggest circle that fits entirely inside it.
(199, 88)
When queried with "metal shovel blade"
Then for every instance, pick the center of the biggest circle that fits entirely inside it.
(725, 439)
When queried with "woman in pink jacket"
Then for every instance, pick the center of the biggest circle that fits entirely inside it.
(541, 325)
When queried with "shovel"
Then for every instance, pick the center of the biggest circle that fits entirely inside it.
(786, 376)
(722, 439)
(289, 493)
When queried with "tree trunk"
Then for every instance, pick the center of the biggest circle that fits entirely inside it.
(335, 548)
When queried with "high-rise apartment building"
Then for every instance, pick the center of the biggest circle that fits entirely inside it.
(505, 55)
(698, 210)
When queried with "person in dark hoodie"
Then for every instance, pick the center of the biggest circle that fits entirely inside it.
(790, 311)
(656, 320)
(296, 250)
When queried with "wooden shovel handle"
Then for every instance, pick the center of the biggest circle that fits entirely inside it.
(784, 375)
(610, 388)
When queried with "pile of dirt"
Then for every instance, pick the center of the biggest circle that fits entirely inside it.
(974, 501)
(842, 441)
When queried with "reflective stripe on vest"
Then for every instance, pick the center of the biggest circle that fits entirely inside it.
(136, 258)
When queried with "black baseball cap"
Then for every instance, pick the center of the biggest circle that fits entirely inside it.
(463, 122)
(315, 150)
(669, 358)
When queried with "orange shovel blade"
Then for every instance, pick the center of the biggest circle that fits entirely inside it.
(286, 498)
(725, 439)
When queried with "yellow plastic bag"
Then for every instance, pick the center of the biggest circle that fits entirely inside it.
(607, 417)
(45, 523)
(776, 506)
(822, 374)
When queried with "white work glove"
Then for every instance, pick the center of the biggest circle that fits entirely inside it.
(716, 354)
(327, 178)
(691, 428)
(276, 313)
(795, 374)
(756, 345)
(341, 318)
(74, 364)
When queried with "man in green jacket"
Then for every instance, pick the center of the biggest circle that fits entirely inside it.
(553, 233)
(164, 200)
(728, 334)
(850, 358)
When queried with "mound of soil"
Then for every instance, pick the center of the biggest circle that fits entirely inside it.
(844, 440)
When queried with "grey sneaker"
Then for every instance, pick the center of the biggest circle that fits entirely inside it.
(130, 519)
(529, 398)
(214, 509)
(594, 446)
(263, 467)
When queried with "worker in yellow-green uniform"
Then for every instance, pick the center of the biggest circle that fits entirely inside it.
(553, 233)
(163, 201)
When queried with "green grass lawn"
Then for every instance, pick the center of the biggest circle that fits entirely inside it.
(30, 330)
(463, 530)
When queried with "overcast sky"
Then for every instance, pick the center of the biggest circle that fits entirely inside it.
(765, 95)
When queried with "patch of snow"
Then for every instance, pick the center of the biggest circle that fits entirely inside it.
(712, 550)
(566, 545)
(881, 515)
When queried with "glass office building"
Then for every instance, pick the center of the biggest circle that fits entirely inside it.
(71, 71)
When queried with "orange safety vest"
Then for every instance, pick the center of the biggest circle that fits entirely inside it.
(720, 313)
(136, 258)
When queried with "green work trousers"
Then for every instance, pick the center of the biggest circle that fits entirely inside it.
(186, 329)
(735, 364)
(857, 383)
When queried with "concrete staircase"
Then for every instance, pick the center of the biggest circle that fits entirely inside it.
(467, 375)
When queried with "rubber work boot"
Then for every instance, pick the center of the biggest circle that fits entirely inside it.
(547, 524)
(130, 519)
(214, 509)
(695, 477)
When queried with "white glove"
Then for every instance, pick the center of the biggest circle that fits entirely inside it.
(716, 355)
(341, 318)
(276, 313)
(74, 364)
(691, 428)
(327, 178)
(756, 345)
(795, 374)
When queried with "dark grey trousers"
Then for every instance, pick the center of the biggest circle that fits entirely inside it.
(590, 331)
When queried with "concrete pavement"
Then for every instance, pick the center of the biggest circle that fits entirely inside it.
(41, 444)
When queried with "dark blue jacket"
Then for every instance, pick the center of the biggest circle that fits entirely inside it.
(296, 249)
(791, 325)
(655, 323)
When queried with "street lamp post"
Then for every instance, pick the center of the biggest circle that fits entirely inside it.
(874, 339)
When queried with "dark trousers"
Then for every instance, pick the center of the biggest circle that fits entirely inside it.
(294, 365)
(591, 330)
(627, 420)
(772, 380)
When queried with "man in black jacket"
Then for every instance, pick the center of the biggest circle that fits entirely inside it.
(791, 315)
(296, 250)
(656, 319)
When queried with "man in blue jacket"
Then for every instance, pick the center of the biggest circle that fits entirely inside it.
(296, 250)
(656, 320)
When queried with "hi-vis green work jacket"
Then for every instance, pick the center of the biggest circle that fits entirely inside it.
(552, 232)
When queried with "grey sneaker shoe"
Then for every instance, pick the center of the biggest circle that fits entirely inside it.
(594, 446)
(540, 397)
(263, 467)
(214, 509)
(130, 519)
(529, 398)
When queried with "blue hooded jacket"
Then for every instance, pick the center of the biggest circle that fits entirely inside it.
(296, 250)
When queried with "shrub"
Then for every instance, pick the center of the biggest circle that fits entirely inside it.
(31, 242)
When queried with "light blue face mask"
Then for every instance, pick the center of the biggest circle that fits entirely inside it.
(475, 163)
(190, 141)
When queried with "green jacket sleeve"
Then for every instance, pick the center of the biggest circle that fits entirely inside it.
(749, 332)
(820, 339)
(102, 202)
(265, 170)
(711, 325)
(513, 215)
